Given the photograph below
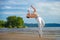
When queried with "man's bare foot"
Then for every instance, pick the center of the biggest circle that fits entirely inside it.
(40, 36)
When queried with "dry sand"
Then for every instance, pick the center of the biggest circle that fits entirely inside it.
(21, 36)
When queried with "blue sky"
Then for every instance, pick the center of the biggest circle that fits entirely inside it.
(49, 10)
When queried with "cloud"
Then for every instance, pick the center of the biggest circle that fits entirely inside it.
(7, 7)
(13, 7)
(48, 7)
(14, 2)
(50, 11)
(13, 13)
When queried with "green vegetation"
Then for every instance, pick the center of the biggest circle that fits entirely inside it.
(12, 22)
(2, 24)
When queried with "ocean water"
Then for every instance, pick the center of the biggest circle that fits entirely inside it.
(46, 25)
(54, 30)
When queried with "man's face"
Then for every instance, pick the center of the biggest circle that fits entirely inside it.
(28, 15)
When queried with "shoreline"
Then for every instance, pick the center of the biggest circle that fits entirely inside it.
(28, 34)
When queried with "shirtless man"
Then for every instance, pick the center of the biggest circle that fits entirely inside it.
(40, 21)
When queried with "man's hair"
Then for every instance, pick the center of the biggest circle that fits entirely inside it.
(28, 17)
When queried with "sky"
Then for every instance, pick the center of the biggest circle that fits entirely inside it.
(49, 10)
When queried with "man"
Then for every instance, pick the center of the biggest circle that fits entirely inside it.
(40, 21)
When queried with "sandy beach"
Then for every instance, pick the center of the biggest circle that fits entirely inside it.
(29, 34)
(21, 36)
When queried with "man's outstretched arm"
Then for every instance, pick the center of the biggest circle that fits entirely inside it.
(33, 8)
(35, 12)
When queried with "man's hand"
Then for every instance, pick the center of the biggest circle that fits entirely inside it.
(28, 15)
(32, 6)
(28, 11)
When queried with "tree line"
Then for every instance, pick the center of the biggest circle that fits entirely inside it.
(12, 22)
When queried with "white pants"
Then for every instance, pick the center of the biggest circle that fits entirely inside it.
(40, 30)
(41, 24)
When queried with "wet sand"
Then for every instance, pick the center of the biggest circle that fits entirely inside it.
(22, 36)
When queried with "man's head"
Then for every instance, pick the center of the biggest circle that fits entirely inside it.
(28, 15)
